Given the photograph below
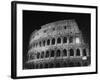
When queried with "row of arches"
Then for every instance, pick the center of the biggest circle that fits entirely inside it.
(54, 64)
(53, 41)
(59, 53)
(62, 64)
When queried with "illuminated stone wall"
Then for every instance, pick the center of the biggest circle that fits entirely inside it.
(58, 44)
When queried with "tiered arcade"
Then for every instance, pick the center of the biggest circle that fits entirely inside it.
(58, 44)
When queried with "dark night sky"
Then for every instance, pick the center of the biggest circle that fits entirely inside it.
(35, 19)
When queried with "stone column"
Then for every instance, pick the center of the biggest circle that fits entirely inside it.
(75, 52)
(81, 52)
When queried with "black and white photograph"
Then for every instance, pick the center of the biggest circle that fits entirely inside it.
(53, 39)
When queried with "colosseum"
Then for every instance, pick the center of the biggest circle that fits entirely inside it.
(58, 44)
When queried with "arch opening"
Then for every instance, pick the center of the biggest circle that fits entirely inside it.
(53, 41)
(71, 51)
(84, 52)
(64, 52)
(47, 54)
(59, 40)
(65, 40)
(52, 53)
(58, 52)
(78, 52)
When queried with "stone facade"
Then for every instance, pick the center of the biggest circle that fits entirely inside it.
(58, 44)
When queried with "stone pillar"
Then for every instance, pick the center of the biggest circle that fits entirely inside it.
(44, 54)
(61, 52)
(87, 51)
(67, 40)
(81, 52)
(55, 41)
(61, 40)
(75, 52)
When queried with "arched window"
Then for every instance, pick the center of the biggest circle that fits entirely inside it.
(48, 42)
(70, 39)
(53, 41)
(53, 29)
(84, 52)
(44, 43)
(42, 54)
(37, 66)
(65, 40)
(64, 64)
(40, 44)
(71, 64)
(33, 66)
(78, 52)
(64, 52)
(52, 53)
(47, 54)
(64, 27)
(41, 66)
(46, 65)
(31, 56)
(51, 65)
(59, 40)
(78, 64)
(57, 64)
(38, 55)
(71, 51)
(58, 53)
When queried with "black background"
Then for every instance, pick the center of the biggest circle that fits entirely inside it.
(33, 20)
